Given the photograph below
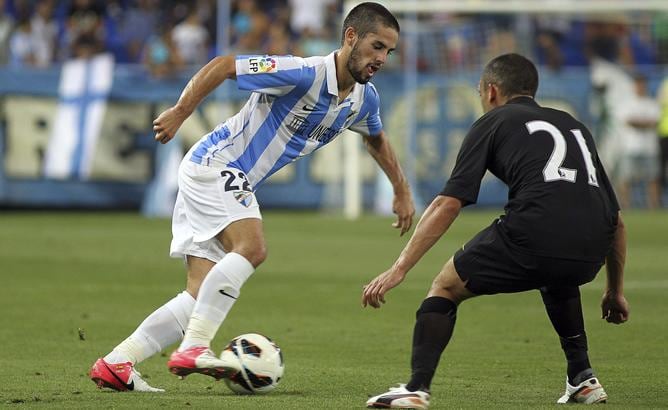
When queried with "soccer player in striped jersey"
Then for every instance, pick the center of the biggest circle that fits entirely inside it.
(297, 105)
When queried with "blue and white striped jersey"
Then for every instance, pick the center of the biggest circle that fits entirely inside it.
(294, 109)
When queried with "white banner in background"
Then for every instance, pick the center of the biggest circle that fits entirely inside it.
(83, 92)
(161, 192)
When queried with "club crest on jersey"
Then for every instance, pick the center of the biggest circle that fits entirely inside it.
(245, 198)
(262, 65)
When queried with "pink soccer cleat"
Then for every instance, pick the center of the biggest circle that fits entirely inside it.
(200, 359)
(119, 377)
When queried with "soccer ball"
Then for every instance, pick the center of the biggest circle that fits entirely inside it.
(260, 362)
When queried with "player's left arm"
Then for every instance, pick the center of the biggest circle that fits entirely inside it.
(614, 307)
(380, 149)
(435, 222)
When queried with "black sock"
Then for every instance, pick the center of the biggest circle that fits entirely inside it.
(435, 321)
(582, 376)
(565, 311)
(575, 349)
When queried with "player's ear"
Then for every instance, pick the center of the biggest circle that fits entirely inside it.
(493, 94)
(350, 36)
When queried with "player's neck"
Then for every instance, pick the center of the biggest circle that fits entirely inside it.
(512, 97)
(344, 81)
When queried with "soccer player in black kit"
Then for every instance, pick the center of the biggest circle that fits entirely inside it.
(561, 225)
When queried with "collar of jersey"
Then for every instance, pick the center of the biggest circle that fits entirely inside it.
(332, 83)
(522, 100)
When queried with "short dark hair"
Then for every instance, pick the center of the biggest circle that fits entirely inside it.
(365, 17)
(514, 74)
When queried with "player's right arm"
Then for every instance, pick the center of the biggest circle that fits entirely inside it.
(200, 85)
(461, 190)
(433, 224)
(614, 307)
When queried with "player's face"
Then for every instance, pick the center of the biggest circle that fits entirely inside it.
(370, 53)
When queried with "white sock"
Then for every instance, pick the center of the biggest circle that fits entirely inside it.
(217, 294)
(160, 329)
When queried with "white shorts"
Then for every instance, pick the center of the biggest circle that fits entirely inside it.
(209, 199)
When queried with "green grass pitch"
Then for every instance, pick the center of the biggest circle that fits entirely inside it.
(104, 272)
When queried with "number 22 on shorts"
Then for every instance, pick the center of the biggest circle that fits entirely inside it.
(233, 180)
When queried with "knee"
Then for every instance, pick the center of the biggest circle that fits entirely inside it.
(255, 253)
(449, 285)
(259, 255)
(446, 290)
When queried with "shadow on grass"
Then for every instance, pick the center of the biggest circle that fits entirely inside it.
(278, 393)
(199, 393)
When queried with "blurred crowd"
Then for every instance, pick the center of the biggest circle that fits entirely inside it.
(631, 132)
(166, 35)
(163, 35)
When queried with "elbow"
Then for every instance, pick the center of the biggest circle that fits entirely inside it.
(620, 221)
(618, 246)
(372, 144)
(226, 65)
(453, 207)
(620, 229)
(448, 205)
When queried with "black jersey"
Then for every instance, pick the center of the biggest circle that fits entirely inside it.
(560, 201)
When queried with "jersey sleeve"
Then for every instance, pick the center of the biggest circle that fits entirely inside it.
(274, 75)
(472, 162)
(368, 120)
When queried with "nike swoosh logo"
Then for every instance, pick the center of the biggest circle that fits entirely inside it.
(388, 399)
(222, 292)
(130, 386)
(307, 108)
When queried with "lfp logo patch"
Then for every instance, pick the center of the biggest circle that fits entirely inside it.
(245, 198)
(261, 65)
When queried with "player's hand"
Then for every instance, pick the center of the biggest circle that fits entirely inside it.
(403, 207)
(374, 292)
(614, 308)
(167, 123)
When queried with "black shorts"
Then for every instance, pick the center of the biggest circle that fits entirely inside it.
(490, 265)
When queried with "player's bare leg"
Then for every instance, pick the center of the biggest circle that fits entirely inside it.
(449, 285)
(197, 270)
(217, 290)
